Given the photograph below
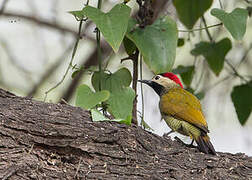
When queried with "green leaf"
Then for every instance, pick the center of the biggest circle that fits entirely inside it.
(98, 116)
(87, 99)
(112, 82)
(214, 53)
(181, 42)
(113, 25)
(126, 121)
(157, 43)
(120, 103)
(189, 11)
(235, 22)
(77, 14)
(186, 73)
(242, 99)
(129, 46)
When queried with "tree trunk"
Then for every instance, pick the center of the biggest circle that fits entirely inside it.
(53, 141)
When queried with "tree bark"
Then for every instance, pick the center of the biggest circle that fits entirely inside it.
(53, 141)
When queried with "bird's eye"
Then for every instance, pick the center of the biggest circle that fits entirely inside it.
(157, 77)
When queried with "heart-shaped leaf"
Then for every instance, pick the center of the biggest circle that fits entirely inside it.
(113, 25)
(235, 22)
(87, 99)
(189, 11)
(242, 99)
(121, 98)
(98, 116)
(157, 43)
(120, 103)
(214, 53)
(112, 82)
(186, 73)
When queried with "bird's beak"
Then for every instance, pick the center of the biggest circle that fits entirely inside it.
(145, 81)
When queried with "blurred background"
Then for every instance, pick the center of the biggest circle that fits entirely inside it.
(37, 39)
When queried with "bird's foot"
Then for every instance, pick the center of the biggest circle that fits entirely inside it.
(187, 145)
(167, 134)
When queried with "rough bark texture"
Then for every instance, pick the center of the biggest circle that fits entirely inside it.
(53, 141)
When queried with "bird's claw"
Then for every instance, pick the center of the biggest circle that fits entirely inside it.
(187, 145)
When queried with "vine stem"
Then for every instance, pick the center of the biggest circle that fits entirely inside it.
(142, 95)
(70, 63)
(134, 85)
(207, 31)
(199, 29)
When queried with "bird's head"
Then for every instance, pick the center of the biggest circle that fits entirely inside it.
(162, 82)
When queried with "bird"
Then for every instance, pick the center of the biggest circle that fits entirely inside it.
(181, 110)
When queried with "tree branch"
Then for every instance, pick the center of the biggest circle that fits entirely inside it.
(43, 140)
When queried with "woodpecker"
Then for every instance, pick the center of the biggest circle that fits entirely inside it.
(181, 110)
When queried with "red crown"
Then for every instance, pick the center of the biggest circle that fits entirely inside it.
(173, 77)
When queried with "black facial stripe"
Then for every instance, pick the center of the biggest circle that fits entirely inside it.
(157, 87)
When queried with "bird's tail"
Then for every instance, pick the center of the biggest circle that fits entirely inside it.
(204, 144)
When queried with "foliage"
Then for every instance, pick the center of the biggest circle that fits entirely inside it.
(190, 11)
(87, 99)
(214, 52)
(235, 22)
(113, 24)
(156, 42)
(242, 99)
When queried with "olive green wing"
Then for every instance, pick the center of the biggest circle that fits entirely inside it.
(183, 105)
